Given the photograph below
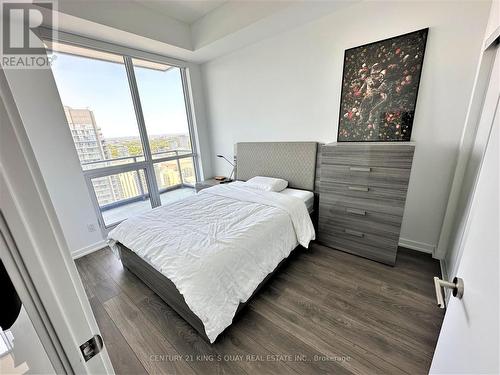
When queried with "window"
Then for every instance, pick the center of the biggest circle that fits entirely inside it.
(162, 101)
(94, 89)
(130, 126)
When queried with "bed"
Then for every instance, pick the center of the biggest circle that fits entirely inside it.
(207, 255)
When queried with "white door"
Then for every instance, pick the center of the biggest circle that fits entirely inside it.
(469, 338)
(55, 312)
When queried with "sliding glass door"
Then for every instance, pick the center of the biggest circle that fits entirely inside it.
(130, 123)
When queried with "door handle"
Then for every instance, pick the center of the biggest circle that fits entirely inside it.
(457, 286)
(91, 347)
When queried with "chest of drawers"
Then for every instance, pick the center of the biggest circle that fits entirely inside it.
(362, 197)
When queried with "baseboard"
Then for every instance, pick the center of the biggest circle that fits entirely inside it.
(415, 245)
(88, 249)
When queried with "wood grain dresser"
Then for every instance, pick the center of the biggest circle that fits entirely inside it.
(362, 197)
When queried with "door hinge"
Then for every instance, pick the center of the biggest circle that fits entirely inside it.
(91, 347)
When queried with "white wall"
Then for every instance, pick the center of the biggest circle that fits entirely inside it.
(41, 111)
(288, 88)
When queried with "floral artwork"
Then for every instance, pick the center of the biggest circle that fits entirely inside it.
(379, 89)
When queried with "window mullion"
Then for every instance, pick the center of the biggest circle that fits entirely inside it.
(150, 174)
(189, 115)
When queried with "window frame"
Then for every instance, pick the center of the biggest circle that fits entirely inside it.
(147, 164)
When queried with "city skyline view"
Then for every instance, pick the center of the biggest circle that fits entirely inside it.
(102, 87)
(127, 188)
(97, 101)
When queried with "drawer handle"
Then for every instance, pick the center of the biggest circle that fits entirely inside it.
(358, 188)
(355, 212)
(354, 233)
(360, 169)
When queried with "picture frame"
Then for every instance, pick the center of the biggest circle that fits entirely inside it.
(380, 84)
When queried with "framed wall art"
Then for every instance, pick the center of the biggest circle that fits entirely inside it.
(380, 84)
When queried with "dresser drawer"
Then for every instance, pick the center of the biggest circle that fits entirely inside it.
(379, 248)
(396, 178)
(362, 204)
(367, 221)
(374, 195)
(367, 155)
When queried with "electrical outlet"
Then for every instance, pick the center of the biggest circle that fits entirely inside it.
(91, 227)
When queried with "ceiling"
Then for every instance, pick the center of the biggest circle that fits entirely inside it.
(190, 30)
(182, 10)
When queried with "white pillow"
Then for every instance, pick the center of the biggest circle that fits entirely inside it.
(267, 183)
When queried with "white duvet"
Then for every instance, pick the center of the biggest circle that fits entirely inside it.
(218, 246)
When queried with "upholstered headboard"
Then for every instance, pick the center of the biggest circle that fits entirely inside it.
(291, 161)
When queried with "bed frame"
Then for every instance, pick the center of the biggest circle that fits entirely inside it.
(295, 162)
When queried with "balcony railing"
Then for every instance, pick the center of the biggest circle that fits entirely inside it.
(111, 162)
(143, 195)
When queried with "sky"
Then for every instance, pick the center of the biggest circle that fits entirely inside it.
(103, 88)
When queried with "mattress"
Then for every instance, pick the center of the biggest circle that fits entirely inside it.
(306, 196)
(217, 246)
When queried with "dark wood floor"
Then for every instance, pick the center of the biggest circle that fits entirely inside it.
(324, 312)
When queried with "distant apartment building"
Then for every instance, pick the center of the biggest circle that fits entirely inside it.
(87, 136)
(91, 146)
(132, 184)
(167, 174)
